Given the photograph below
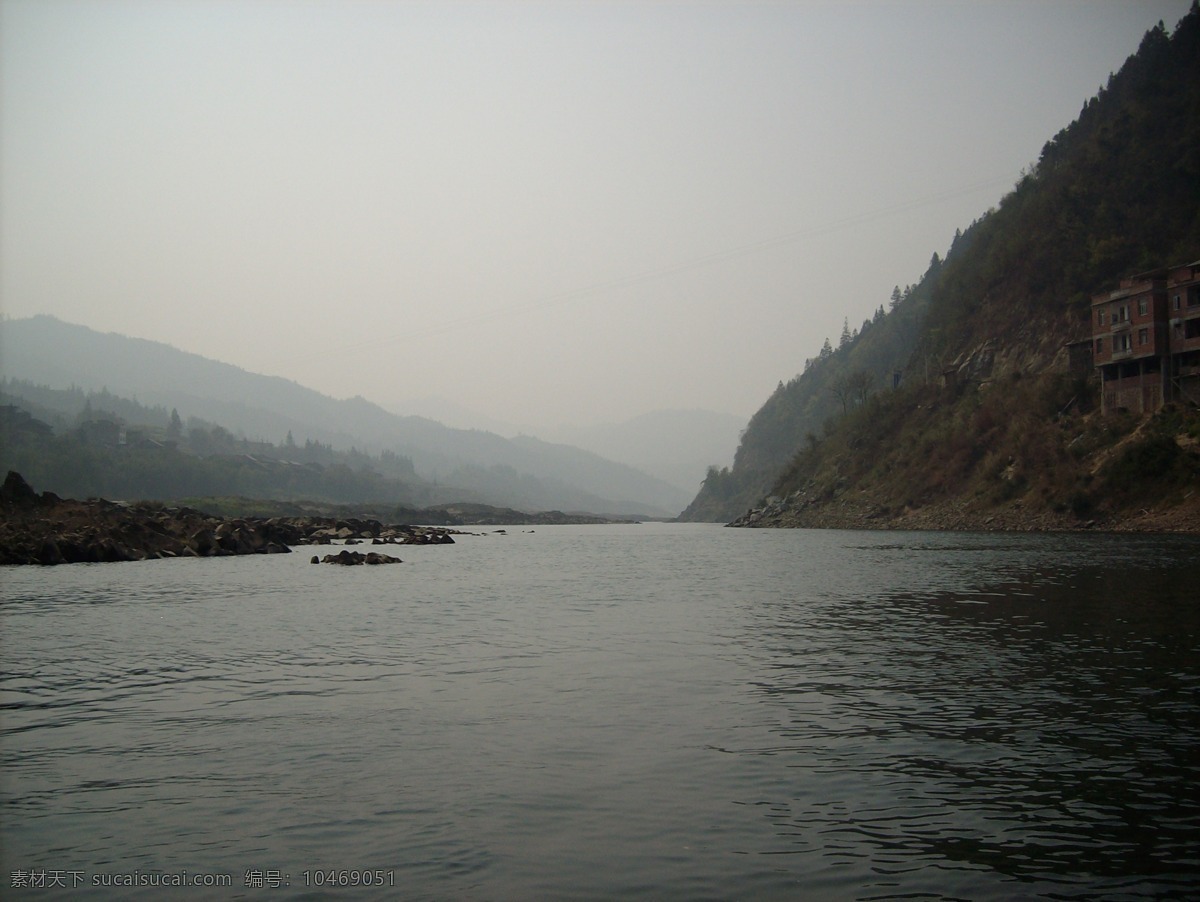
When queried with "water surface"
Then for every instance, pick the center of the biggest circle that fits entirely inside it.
(651, 711)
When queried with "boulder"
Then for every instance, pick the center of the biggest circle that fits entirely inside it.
(16, 492)
(375, 557)
(351, 558)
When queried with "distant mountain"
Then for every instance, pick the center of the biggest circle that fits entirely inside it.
(972, 401)
(677, 446)
(452, 414)
(525, 474)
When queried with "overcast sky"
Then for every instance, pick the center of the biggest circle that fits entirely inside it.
(547, 213)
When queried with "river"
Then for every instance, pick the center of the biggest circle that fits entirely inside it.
(652, 711)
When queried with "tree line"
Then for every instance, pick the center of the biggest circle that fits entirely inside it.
(95, 444)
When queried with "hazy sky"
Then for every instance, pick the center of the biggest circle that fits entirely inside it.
(544, 212)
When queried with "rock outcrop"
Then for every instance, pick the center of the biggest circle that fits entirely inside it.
(351, 558)
(46, 529)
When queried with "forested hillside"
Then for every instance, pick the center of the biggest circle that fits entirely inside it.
(1115, 193)
(82, 444)
(868, 360)
(526, 474)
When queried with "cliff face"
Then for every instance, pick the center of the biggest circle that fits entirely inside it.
(993, 422)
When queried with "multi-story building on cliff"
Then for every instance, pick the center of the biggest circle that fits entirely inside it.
(1146, 340)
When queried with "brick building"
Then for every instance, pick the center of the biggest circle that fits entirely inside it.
(1146, 340)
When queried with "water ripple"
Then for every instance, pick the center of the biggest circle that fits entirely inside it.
(665, 712)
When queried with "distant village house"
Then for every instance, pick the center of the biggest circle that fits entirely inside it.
(1146, 340)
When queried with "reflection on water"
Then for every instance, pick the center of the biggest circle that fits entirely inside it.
(655, 711)
(1040, 724)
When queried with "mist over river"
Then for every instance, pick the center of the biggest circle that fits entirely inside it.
(653, 711)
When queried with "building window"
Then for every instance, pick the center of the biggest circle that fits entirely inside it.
(1122, 342)
(1100, 313)
(1099, 346)
(1176, 302)
(1143, 336)
(1143, 306)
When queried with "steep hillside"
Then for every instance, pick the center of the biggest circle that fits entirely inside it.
(868, 360)
(524, 474)
(1007, 457)
(1115, 193)
(1014, 437)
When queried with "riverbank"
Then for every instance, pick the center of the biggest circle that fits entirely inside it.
(45, 529)
(957, 515)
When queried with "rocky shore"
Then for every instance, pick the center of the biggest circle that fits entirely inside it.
(45, 529)
(800, 512)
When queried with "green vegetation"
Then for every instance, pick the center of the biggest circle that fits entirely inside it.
(1115, 193)
(1159, 464)
(453, 464)
(96, 444)
(1019, 442)
(866, 364)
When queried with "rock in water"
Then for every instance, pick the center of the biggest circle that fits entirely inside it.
(350, 558)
